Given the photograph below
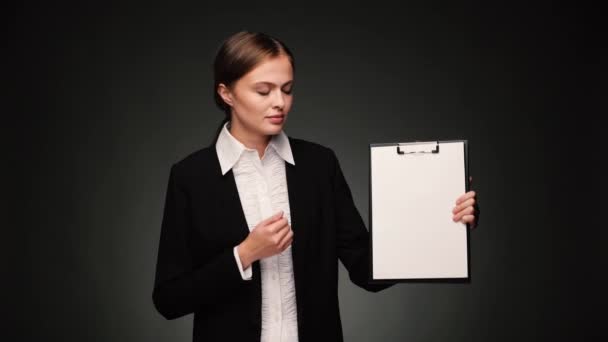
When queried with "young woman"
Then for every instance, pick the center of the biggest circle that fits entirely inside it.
(255, 223)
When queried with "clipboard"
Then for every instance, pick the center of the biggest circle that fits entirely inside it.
(413, 189)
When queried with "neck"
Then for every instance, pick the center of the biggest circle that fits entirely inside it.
(250, 139)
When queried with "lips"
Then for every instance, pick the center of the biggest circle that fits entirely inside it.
(276, 119)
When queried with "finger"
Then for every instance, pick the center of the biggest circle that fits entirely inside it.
(466, 211)
(278, 225)
(273, 227)
(279, 234)
(269, 220)
(465, 197)
(468, 219)
(273, 218)
(468, 203)
(286, 240)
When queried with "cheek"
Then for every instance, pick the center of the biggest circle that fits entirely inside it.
(288, 102)
(251, 104)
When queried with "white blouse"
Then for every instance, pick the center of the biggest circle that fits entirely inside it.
(262, 187)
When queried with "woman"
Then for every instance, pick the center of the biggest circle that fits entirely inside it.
(255, 223)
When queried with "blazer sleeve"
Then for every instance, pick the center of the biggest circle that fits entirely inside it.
(352, 237)
(181, 288)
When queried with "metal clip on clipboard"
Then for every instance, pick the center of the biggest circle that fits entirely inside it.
(409, 148)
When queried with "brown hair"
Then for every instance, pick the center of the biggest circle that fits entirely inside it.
(239, 54)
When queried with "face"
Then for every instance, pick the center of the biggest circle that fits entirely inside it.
(261, 99)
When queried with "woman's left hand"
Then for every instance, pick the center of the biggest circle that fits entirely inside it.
(464, 211)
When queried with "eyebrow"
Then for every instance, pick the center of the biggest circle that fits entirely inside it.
(270, 83)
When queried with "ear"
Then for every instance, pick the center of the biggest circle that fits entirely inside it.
(225, 94)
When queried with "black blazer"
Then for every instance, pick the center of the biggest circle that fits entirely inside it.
(203, 221)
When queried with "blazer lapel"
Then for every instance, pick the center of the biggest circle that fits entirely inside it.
(301, 203)
(298, 204)
(237, 230)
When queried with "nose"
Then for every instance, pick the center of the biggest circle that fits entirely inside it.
(278, 99)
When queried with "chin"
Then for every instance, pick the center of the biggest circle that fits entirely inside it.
(273, 129)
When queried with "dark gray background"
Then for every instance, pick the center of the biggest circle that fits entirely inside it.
(108, 97)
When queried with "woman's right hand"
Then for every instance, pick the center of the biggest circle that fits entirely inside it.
(269, 237)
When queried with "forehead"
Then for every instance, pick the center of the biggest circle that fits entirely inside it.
(272, 69)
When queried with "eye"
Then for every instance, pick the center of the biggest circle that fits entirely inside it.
(263, 93)
(288, 89)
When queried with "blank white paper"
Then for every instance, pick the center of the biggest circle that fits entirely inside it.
(412, 197)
